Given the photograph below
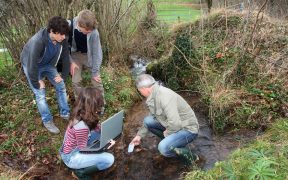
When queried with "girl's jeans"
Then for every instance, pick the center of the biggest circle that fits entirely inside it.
(176, 140)
(77, 160)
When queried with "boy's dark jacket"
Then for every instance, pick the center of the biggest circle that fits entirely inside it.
(33, 52)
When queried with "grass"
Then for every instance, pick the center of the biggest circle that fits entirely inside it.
(5, 59)
(265, 158)
(175, 11)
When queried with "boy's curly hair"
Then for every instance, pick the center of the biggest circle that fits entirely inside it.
(58, 24)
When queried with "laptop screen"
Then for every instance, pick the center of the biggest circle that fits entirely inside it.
(111, 128)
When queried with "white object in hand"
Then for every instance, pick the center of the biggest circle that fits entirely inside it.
(130, 148)
(112, 142)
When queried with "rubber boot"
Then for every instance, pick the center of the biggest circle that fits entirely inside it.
(185, 155)
(158, 133)
(85, 173)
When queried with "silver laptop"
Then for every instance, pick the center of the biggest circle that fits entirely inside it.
(110, 129)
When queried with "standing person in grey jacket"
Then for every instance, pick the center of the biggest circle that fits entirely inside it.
(171, 118)
(39, 58)
(85, 50)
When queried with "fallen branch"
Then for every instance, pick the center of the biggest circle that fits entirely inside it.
(185, 57)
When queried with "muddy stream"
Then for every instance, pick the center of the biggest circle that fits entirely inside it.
(147, 163)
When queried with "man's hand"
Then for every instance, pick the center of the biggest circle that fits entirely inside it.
(58, 79)
(42, 84)
(136, 141)
(72, 68)
(112, 142)
(97, 78)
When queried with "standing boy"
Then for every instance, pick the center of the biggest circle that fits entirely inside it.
(85, 50)
(39, 58)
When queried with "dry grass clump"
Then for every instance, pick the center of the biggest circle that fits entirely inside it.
(8, 173)
(223, 97)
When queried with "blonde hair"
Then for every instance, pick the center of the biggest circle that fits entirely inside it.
(86, 19)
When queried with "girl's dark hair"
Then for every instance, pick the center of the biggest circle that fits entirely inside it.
(87, 107)
(58, 24)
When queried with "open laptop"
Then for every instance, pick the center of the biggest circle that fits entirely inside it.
(110, 129)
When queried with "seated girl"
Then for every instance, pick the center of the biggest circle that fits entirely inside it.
(83, 130)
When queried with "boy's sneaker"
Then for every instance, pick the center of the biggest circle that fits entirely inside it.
(65, 116)
(51, 127)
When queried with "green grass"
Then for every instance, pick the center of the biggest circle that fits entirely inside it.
(173, 11)
(5, 59)
(176, 13)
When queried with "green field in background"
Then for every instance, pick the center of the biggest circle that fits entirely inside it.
(176, 11)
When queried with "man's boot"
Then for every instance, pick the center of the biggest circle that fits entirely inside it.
(85, 173)
(185, 155)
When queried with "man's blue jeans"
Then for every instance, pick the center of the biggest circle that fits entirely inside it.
(176, 140)
(50, 72)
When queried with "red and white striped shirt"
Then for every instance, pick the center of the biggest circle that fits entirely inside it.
(76, 136)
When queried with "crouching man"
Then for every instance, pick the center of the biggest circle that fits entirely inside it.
(171, 119)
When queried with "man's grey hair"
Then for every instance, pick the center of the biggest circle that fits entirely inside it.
(144, 81)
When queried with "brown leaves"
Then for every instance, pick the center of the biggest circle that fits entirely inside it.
(219, 55)
(3, 136)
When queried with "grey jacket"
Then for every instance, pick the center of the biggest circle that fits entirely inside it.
(33, 52)
(94, 49)
(170, 110)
